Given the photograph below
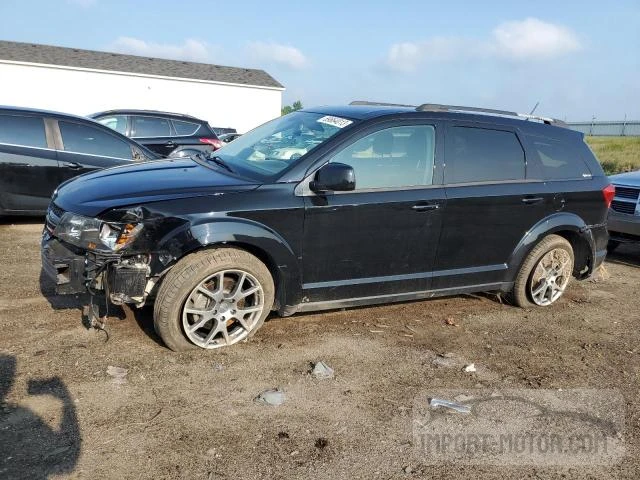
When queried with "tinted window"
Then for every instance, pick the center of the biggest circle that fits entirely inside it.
(86, 139)
(150, 127)
(185, 128)
(560, 160)
(481, 155)
(20, 130)
(116, 122)
(394, 157)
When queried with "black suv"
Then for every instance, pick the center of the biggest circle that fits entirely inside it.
(336, 207)
(169, 134)
(41, 149)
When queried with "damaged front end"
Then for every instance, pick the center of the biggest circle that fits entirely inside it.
(82, 254)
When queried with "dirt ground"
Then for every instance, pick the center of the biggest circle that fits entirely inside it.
(193, 416)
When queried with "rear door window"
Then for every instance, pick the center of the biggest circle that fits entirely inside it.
(560, 160)
(483, 155)
(86, 139)
(22, 130)
(150, 127)
(185, 128)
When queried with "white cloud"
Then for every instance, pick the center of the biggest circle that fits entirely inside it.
(533, 38)
(407, 56)
(284, 55)
(528, 39)
(192, 50)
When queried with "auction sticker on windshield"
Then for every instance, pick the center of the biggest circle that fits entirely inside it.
(335, 121)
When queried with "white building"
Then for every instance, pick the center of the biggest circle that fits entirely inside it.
(84, 81)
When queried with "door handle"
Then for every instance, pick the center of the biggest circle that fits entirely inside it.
(532, 200)
(73, 165)
(170, 144)
(425, 207)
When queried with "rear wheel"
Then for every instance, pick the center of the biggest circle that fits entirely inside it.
(545, 273)
(213, 299)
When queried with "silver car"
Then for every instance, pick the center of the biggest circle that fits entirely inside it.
(624, 214)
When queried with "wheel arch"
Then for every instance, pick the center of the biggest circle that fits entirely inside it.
(260, 241)
(567, 225)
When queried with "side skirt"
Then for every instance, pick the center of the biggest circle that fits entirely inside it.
(393, 298)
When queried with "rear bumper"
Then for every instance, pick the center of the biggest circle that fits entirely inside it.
(64, 266)
(623, 225)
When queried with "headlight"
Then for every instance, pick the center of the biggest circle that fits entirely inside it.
(94, 234)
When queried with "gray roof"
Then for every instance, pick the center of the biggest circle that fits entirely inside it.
(74, 57)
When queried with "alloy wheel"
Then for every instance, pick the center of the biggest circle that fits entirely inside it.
(223, 309)
(551, 276)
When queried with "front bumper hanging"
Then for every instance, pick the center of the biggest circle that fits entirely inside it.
(74, 270)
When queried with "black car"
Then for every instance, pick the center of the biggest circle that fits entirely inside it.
(334, 207)
(168, 134)
(41, 149)
(228, 137)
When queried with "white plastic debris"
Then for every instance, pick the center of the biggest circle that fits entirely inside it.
(469, 368)
(322, 371)
(456, 407)
(119, 374)
(273, 397)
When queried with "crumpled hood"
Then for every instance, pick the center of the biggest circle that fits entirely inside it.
(632, 178)
(95, 192)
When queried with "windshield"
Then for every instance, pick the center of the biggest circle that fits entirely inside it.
(269, 149)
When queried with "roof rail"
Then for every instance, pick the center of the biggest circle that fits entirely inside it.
(379, 104)
(435, 107)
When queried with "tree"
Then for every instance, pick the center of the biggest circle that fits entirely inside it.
(297, 105)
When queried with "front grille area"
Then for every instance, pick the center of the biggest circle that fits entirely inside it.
(623, 207)
(627, 192)
(54, 214)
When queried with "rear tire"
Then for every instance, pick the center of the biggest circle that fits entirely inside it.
(545, 273)
(212, 299)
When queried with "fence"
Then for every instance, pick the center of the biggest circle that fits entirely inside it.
(608, 129)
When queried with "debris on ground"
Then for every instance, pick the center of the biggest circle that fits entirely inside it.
(451, 322)
(321, 443)
(273, 397)
(471, 368)
(119, 374)
(218, 367)
(456, 407)
(447, 360)
(322, 371)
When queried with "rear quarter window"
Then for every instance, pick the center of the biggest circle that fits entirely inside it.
(185, 128)
(22, 130)
(560, 160)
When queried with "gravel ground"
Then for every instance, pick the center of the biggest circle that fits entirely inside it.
(193, 416)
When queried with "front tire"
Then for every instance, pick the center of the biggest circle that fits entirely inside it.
(545, 273)
(212, 299)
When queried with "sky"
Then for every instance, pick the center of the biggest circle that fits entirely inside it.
(579, 59)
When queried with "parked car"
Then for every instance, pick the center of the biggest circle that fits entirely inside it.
(624, 215)
(169, 134)
(222, 131)
(383, 204)
(228, 137)
(41, 149)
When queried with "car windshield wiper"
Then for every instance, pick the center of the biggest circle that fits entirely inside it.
(217, 160)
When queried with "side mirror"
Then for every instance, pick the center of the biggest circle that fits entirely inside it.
(334, 177)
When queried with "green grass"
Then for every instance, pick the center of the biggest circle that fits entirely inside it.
(616, 154)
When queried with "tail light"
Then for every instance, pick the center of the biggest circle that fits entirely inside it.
(214, 142)
(609, 192)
